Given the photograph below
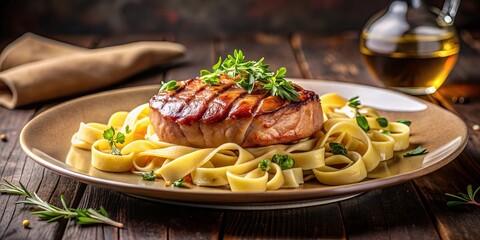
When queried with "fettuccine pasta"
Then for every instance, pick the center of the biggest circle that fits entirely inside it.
(238, 168)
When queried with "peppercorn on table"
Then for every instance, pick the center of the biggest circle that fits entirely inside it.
(415, 209)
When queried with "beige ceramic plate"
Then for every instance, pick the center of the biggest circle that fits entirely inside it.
(47, 140)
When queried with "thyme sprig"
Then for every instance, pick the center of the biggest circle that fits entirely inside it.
(465, 199)
(247, 73)
(51, 213)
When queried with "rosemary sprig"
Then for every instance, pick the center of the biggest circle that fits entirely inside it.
(51, 213)
(465, 199)
(247, 73)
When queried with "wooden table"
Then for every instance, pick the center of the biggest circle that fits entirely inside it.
(416, 209)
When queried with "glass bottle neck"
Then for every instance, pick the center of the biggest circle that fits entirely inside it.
(413, 3)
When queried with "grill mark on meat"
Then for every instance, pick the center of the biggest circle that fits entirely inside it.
(270, 104)
(162, 97)
(175, 104)
(243, 112)
(219, 107)
(197, 107)
(246, 106)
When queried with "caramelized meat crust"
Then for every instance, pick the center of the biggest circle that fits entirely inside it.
(202, 115)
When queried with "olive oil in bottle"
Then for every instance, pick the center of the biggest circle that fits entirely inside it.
(414, 64)
(411, 46)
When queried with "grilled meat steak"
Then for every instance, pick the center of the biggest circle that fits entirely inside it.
(203, 115)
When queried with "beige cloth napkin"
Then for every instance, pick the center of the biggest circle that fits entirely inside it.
(35, 69)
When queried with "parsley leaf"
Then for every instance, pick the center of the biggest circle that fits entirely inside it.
(127, 129)
(385, 132)
(338, 149)
(149, 176)
(264, 164)
(113, 139)
(383, 122)
(363, 123)
(417, 151)
(404, 121)
(284, 161)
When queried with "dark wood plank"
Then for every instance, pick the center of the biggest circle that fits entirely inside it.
(335, 58)
(388, 213)
(200, 55)
(16, 166)
(319, 222)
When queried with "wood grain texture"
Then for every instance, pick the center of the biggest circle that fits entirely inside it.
(322, 222)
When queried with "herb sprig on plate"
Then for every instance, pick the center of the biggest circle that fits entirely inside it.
(249, 74)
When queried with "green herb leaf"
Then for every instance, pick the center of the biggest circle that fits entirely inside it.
(363, 123)
(338, 149)
(264, 164)
(109, 135)
(284, 161)
(127, 129)
(463, 198)
(247, 73)
(417, 151)
(385, 132)
(383, 122)
(149, 176)
(51, 213)
(354, 102)
(178, 183)
(404, 121)
(170, 85)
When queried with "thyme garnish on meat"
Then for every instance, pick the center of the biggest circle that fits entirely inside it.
(249, 74)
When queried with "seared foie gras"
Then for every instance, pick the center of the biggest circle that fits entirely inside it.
(202, 115)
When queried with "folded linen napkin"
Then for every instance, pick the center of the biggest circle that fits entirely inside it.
(35, 69)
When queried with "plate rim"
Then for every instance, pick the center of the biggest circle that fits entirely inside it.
(339, 191)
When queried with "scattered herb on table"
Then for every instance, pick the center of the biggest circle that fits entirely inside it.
(383, 122)
(149, 176)
(249, 74)
(284, 161)
(264, 164)
(113, 139)
(463, 198)
(51, 213)
(363, 123)
(404, 121)
(338, 149)
(417, 151)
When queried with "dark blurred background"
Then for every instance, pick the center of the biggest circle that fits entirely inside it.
(199, 17)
